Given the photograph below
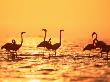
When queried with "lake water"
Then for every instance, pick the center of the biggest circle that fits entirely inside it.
(71, 65)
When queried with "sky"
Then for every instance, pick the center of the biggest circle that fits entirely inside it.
(79, 18)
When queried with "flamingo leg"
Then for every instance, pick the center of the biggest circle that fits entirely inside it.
(12, 55)
(16, 54)
(55, 52)
(101, 54)
(8, 52)
(49, 55)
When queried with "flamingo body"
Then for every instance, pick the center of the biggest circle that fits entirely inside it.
(56, 46)
(45, 43)
(89, 47)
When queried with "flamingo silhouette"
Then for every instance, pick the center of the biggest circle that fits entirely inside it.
(48, 44)
(57, 45)
(13, 46)
(44, 43)
(102, 45)
(91, 46)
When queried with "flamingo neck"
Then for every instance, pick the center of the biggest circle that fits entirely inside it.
(95, 41)
(60, 37)
(45, 36)
(96, 36)
(21, 39)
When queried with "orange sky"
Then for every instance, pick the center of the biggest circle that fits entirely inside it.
(79, 18)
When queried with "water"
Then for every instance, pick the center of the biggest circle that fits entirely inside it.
(72, 67)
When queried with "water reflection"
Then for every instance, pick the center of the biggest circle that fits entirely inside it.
(34, 80)
(68, 68)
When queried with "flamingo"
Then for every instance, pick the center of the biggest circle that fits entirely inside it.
(57, 45)
(44, 43)
(13, 46)
(102, 45)
(91, 46)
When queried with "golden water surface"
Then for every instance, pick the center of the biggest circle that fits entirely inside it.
(70, 65)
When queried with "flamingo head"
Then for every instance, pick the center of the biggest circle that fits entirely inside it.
(13, 41)
(23, 32)
(61, 30)
(93, 34)
(44, 30)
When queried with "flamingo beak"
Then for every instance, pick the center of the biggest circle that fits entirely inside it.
(44, 29)
(23, 32)
(61, 30)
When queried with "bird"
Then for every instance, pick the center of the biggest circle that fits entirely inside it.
(13, 46)
(91, 46)
(98, 44)
(44, 43)
(101, 44)
(56, 45)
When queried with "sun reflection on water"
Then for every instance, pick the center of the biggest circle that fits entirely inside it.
(67, 68)
(34, 80)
